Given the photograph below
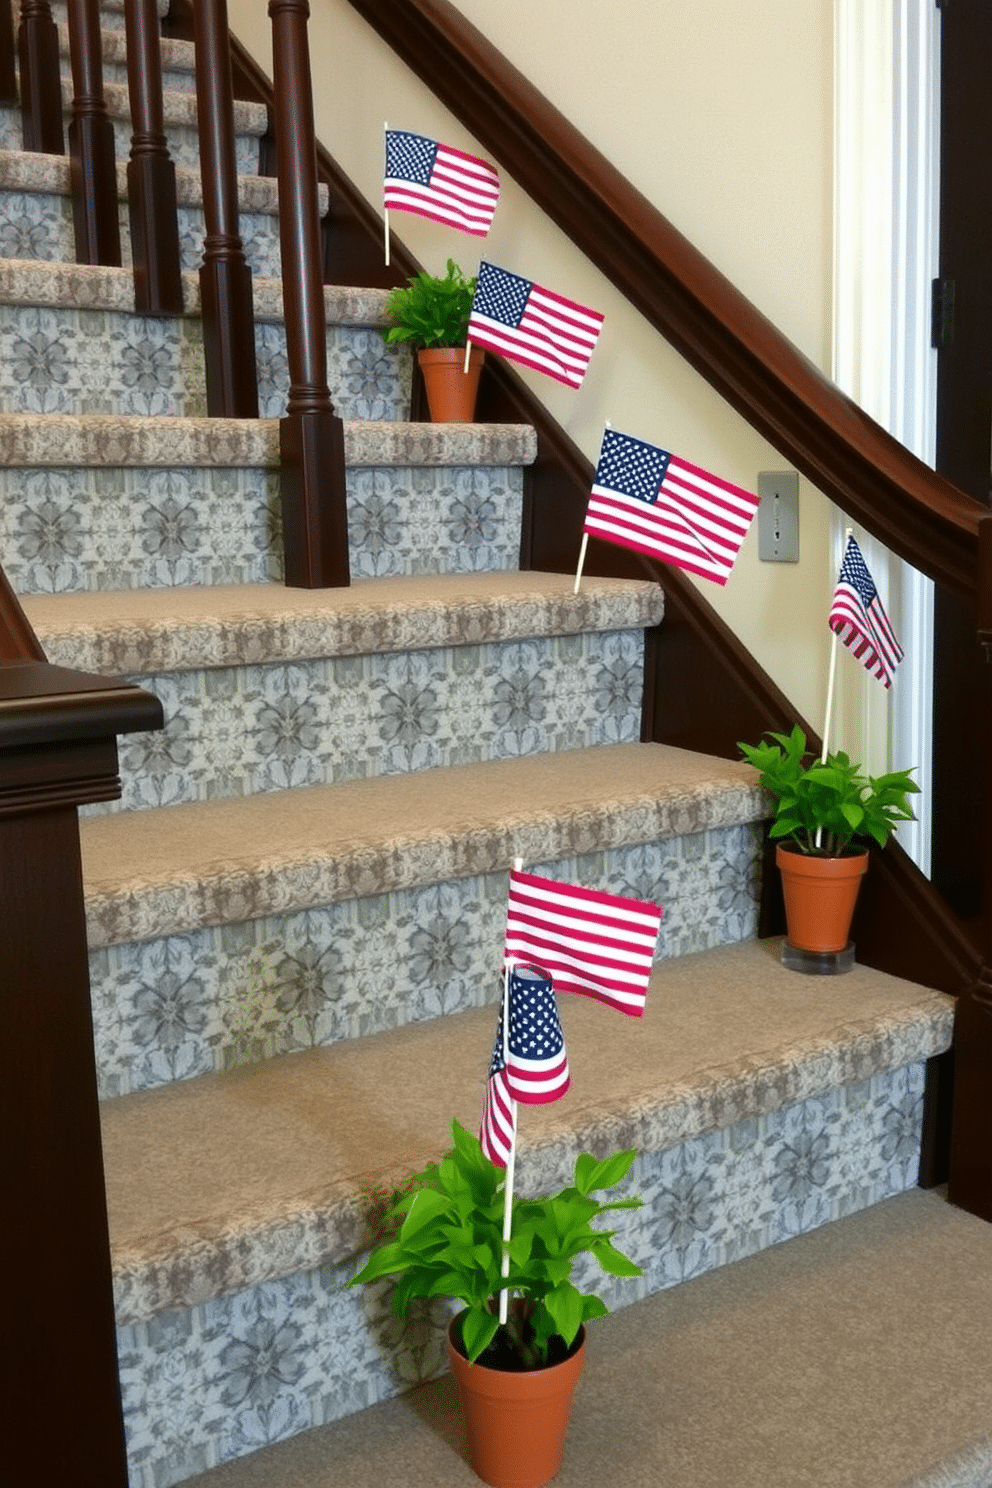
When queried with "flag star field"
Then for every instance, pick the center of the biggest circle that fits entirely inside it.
(439, 181)
(632, 466)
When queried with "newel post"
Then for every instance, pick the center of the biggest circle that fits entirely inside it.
(225, 278)
(60, 1407)
(970, 1181)
(311, 436)
(92, 153)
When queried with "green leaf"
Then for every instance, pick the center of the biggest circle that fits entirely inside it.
(382, 1262)
(591, 1175)
(520, 1248)
(614, 1261)
(448, 1284)
(566, 1305)
(593, 1307)
(427, 1206)
(479, 1328)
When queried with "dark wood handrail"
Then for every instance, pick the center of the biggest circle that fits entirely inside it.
(757, 370)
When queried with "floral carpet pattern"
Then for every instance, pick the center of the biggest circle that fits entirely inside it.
(176, 1007)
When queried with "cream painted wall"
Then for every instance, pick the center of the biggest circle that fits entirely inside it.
(721, 112)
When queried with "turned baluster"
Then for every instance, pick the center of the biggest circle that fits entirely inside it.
(151, 173)
(315, 522)
(8, 56)
(92, 151)
(41, 82)
(225, 278)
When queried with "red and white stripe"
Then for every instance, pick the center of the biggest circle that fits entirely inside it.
(697, 523)
(597, 944)
(463, 192)
(499, 1121)
(555, 336)
(867, 634)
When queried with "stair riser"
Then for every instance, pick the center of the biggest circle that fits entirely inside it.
(66, 530)
(182, 140)
(39, 225)
(237, 731)
(190, 1004)
(219, 1380)
(70, 361)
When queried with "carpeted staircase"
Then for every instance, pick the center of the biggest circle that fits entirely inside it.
(296, 912)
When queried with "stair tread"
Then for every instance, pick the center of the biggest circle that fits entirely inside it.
(268, 1169)
(37, 172)
(58, 440)
(40, 282)
(175, 868)
(141, 630)
(855, 1355)
(176, 55)
(178, 107)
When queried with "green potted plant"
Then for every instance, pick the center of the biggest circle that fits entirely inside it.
(431, 314)
(450, 1244)
(827, 812)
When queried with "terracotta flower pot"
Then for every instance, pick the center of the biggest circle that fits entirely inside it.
(820, 895)
(451, 391)
(515, 1420)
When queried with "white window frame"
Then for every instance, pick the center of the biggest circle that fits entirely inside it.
(886, 247)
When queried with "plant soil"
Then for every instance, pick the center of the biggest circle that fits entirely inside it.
(503, 1354)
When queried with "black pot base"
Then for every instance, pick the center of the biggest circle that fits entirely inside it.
(817, 963)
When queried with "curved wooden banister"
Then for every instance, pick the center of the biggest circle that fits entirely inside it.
(915, 512)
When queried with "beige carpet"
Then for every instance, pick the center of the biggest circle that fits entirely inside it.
(855, 1357)
(283, 1165)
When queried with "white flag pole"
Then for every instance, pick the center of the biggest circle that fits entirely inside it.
(385, 213)
(582, 559)
(827, 717)
(582, 550)
(468, 353)
(848, 533)
(830, 701)
(511, 1162)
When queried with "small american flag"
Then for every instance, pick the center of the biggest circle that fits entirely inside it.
(528, 324)
(439, 182)
(858, 619)
(598, 944)
(647, 499)
(529, 1065)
